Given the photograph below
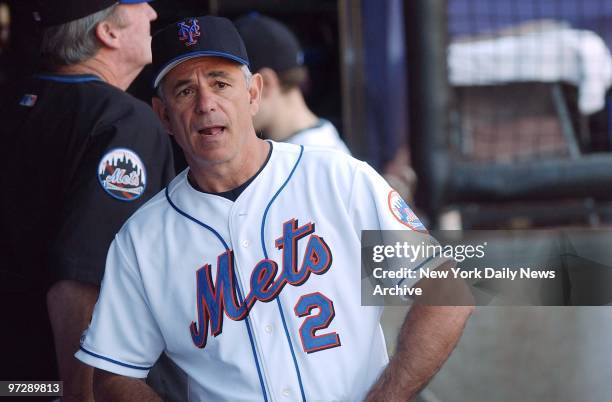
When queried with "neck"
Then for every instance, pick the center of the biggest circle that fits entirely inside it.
(226, 176)
(296, 116)
(111, 72)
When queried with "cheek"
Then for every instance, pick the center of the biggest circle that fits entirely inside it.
(244, 106)
(179, 124)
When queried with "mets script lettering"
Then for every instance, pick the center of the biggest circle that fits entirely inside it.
(119, 177)
(215, 299)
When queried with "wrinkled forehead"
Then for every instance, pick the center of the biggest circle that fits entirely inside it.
(204, 67)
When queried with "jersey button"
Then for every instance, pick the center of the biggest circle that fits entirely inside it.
(269, 329)
(286, 392)
(245, 243)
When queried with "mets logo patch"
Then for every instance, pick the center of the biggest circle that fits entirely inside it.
(189, 31)
(28, 100)
(122, 174)
(402, 212)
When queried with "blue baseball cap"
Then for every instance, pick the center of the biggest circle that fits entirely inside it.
(195, 37)
(57, 12)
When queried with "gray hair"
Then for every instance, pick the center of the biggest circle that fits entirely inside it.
(75, 41)
(248, 75)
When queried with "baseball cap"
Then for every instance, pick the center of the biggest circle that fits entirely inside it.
(269, 43)
(56, 12)
(195, 37)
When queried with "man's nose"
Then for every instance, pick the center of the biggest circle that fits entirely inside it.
(205, 102)
(152, 12)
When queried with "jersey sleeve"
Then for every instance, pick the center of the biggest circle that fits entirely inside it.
(125, 162)
(123, 337)
(375, 206)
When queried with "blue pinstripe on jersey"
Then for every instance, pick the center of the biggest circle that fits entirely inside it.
(240, 297)
(263, 246)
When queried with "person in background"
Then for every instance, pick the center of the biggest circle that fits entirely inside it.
(283, 115)
(80, 157)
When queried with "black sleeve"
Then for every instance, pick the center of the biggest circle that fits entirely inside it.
(124, 164)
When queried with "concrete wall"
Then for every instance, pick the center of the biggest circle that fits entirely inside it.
(527, 354)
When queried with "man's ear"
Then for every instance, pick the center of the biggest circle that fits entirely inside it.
(159, 107)
(255, 93)
(271, 83)
(107, 33)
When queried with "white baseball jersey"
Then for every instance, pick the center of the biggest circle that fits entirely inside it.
(257, 299)
(322, 134)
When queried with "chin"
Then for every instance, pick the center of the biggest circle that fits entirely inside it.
(214, 157)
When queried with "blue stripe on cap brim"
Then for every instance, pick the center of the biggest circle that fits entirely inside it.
(187, 56)
(134, 1)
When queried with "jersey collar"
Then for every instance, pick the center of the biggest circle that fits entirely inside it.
(69, 78)
(233, 194)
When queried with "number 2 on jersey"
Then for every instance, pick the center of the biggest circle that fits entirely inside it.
(310, 341)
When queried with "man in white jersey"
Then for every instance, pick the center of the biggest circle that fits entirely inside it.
(246, 270)
(275, 53)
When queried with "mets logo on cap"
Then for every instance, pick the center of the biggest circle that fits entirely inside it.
(189, 31)
(402, 212)
(122, 174)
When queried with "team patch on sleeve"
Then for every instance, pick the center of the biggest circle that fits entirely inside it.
(28, 100)
(122, 174)
(402, 212)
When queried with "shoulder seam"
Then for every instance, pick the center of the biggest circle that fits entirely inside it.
(358, 165)
(124, 256)
(139, 273)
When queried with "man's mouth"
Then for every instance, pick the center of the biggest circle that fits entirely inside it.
(214, 130)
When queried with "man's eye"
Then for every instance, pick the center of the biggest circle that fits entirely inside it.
(221, 84)
(185, 92)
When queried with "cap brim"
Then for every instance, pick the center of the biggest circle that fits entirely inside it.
(184, 57)
(134, 1)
